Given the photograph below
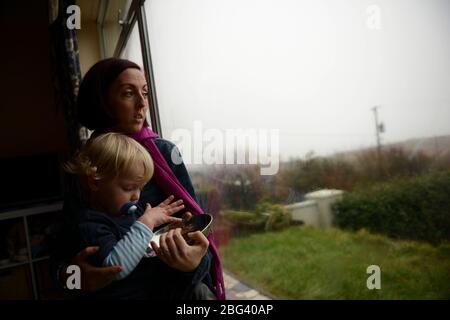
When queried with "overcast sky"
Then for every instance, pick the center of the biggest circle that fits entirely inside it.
(311, 68)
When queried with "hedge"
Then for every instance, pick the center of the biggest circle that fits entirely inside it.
(264, 217)
(415, 208)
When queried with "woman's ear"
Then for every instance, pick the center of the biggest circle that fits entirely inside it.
(93, 183)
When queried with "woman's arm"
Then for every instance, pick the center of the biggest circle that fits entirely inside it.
(72, 251)
(175, 252)
(93, 278)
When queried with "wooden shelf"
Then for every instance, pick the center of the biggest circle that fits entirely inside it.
(25, 214)
(14, 264)
(43, 208)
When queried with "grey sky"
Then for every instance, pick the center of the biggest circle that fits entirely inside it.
(312, 69)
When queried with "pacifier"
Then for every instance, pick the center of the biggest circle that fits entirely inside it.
(129, 208)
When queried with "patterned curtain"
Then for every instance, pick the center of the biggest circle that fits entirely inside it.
(66, 72)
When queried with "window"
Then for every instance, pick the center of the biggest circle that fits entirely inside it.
(113, 17)
(133, 50)
(282, 109)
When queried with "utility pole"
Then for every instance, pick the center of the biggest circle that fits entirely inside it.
(379, 128)
(436, 148)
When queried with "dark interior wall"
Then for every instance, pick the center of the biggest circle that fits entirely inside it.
(29, 120)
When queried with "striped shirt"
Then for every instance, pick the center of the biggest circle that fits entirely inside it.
(129, 250)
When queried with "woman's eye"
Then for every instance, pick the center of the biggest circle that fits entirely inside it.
(145, 94)
(128, 93)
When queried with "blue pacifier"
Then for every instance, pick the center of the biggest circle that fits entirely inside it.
(129, 208)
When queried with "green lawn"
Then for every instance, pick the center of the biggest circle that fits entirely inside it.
(305, 263)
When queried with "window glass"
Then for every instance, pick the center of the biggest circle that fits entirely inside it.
(302, 122)
(115, 14)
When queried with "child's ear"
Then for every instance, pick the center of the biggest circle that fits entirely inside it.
(93, 183)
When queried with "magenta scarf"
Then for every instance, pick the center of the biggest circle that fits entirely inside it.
(169, 184)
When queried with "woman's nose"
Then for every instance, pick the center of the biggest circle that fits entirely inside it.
(142, 102)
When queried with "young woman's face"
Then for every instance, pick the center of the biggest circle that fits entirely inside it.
(110, 195)
(128, 100)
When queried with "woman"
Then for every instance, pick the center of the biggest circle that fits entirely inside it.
(113, 98)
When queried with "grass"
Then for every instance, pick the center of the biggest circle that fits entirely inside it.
(305, 263)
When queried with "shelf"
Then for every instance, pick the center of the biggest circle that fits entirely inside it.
(14, 264)
(40, 259)
(52, 207)
(26, 223)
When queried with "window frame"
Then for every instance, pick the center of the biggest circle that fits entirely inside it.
(136, 14)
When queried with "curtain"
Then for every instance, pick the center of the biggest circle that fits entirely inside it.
(66, 72)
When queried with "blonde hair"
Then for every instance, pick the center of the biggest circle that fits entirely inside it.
(105, 156)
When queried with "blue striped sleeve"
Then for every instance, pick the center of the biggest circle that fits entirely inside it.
(130, 249)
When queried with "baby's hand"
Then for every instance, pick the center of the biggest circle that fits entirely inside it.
(154, 217)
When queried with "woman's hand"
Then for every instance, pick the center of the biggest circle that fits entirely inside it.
(154, 217)
(92, 278)
(176, 253)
